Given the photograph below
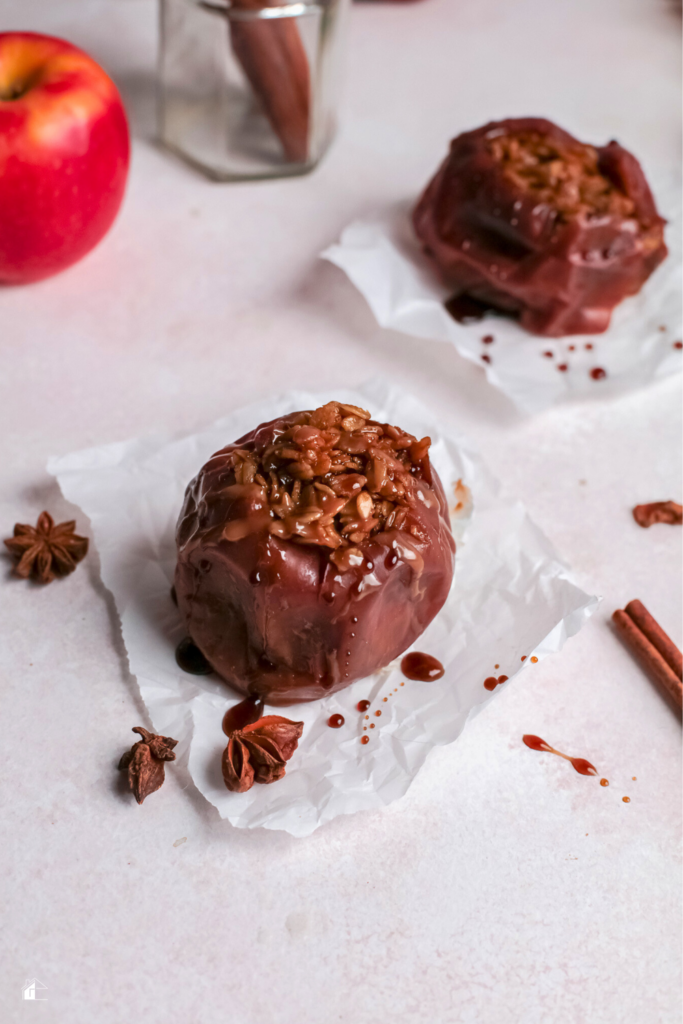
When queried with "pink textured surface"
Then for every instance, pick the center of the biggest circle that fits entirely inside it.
(504, 887)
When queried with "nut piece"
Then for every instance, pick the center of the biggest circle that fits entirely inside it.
(350, 423)
(364, 504)
(658, 512)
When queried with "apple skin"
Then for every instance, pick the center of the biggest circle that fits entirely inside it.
(64, 155)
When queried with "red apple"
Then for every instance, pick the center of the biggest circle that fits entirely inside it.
(64, 153)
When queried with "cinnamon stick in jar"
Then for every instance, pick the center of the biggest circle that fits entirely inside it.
(273, 58)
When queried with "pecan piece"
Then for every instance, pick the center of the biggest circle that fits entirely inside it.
(656, 512)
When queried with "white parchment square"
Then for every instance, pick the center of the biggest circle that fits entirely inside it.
(511, 597)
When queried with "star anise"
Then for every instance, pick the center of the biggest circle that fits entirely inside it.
(45, 550)
(144, 762)
(258, 752)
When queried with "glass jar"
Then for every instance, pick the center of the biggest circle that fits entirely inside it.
(249, 88)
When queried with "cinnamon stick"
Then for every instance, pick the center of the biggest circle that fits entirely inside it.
(648, 655)
(274, 60)
(648, 625)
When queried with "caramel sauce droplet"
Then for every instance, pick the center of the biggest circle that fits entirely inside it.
(365, 739)
(626, 799)
(535, 742)
(190, 658)
(335, 721)
(422, 667)
(363, 705)
(604, 782)
(246, 712)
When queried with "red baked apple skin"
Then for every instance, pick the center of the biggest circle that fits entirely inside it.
(64, 155)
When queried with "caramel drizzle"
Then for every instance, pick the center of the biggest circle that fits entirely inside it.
(579, 764)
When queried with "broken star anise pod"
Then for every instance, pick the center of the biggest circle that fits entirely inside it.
(258, 752)
(45, 550)
(144, 762)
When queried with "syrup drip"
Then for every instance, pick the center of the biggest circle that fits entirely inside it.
(597, 373)
(465, 309)
(377, 714)
(190, 658)
(335, 721)
(365, 739)
(491, 682)
(626, 799)
(422, 667)
(239, 715)
(362, 705)
(604, 782)
(579, 764)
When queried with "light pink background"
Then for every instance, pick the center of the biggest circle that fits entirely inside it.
(504, 888)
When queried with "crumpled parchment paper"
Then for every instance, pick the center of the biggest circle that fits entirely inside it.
(511, 598)
(383, 259)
